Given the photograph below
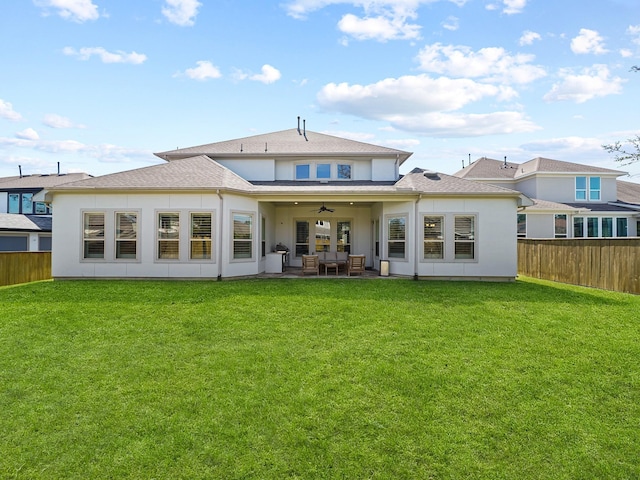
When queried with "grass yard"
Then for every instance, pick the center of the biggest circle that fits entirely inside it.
(318, 378)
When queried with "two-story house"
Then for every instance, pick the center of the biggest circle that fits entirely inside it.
(25, 221)
(218, 210)
(570, 200)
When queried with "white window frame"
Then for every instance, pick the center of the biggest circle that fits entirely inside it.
(167, 240)
(470, 241)
(403, 241)
(118, 239)
(441, 239)
(110, 235)
(557, 216)
(101, 239)
(334, 170)
(251, 239)
(593, 191)
(193, 239)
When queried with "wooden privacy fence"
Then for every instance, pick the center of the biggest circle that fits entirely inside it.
(23, 267)
(607, 263)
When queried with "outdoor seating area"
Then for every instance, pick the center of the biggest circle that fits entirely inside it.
(332, 263)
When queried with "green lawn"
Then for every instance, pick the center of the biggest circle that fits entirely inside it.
(318, 378)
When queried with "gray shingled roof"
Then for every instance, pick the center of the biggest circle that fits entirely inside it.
(195, 173)
(628, 192)
(40, 181)
(16, 222)
(287, 143)
(422, 181)
(548, 205)
(487, 168)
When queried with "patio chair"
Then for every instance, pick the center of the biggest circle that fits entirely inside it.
(355, 264)
(310, 264)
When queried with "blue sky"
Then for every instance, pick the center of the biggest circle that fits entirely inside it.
(100, 85)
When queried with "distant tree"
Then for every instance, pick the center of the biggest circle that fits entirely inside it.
(625, 153)
(628, 153)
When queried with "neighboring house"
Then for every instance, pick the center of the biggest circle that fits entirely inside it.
(25, 220)
(570, 200)
(218, 210)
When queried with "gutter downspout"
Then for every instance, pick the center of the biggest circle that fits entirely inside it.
(415, 237)
(220, 234)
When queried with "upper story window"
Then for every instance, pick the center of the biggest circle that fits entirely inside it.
(302, 172)
(23, 203)
(588, 189)
(594, 188)
(323, 171)
(344, 172)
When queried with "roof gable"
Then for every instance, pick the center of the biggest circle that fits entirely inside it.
(287, 143)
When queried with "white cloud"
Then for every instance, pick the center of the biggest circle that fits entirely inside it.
(634, 30)
(451, 23)
(588, 41)
(626, 53)
(181, 12)
(528, 37)
(381, 28)
(568, 144)
(492, 64)
(56, 121)
(514, 6)
(509, 7)
(269, 75)
(456, 125)
(590, 83)
(28, 134)
(205, 70)
(7, 112)
(86, 53)
(421, 104)
(382, 20)
(74, 10)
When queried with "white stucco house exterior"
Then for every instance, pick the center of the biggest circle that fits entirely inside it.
(218, 210)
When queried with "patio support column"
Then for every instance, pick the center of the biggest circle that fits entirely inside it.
(220, 235)
(416, 238)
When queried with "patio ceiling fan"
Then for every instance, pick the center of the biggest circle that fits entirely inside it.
(325, 209)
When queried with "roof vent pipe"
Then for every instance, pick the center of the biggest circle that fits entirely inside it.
(304, 129)
(299, 132)
(58, 168)
(20, 170)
